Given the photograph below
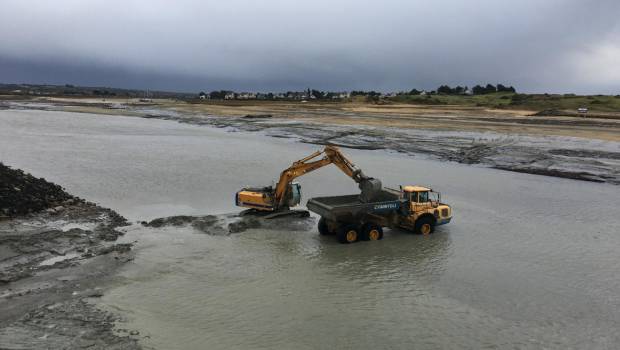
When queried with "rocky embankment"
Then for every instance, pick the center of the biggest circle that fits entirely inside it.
(22, 193)
(56, 251)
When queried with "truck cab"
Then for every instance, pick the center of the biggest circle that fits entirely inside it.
(425, 210)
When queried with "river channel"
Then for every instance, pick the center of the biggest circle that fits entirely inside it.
(528, 261)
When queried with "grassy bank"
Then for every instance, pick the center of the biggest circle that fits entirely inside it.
(533, 102)
(598, 105)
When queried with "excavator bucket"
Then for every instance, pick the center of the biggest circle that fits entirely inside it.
(370, 188)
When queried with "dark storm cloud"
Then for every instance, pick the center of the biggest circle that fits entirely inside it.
(553, 45)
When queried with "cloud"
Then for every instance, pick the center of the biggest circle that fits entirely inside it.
(587, 65)
(344, 44)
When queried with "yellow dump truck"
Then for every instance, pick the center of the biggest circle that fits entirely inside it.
(350, 218)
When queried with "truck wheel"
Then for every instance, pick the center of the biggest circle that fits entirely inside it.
(425, 226)
(372, 232)
(347, 234)
(323, 228)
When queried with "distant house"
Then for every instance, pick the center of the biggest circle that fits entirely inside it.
(229, 96)
(294, 96)
(423, 93)
(202, 96)
(246, 96)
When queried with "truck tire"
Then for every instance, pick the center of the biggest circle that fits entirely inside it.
(323, 228)
(347, 234)
(372, 232)
(424, 225)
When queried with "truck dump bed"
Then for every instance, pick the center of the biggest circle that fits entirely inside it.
(340, 208)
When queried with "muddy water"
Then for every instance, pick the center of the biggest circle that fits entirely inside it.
(528, 262)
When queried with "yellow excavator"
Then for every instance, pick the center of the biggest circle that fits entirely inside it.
(287, 194)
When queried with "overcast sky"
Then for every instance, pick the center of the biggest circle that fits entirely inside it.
(277, 45)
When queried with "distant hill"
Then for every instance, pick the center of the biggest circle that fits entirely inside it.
(86, 91)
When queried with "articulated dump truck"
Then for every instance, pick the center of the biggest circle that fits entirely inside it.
(352, 218)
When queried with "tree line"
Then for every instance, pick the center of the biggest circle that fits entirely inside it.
(318, 94)
(476, 90)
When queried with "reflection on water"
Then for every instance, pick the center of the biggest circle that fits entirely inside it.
(528, 261)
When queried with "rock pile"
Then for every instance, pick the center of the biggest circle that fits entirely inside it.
(22, 193)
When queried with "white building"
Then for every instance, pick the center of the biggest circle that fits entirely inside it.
(246, 96)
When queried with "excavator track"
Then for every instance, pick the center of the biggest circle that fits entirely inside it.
(299, 213)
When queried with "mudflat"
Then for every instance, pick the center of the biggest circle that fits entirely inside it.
(56, 251)
(526, 141)
(599, 125)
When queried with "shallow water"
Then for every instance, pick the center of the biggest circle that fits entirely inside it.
(528, 262)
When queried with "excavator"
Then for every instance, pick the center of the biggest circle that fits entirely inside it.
(286, 194)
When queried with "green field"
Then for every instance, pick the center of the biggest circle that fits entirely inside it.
(534, 102)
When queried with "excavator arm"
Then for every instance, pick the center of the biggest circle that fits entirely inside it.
(342, 162)
(275, 199)
(332, 155)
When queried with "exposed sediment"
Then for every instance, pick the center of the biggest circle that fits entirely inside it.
(227, 224)
(565, 157)
(56, 250)
(558, 156)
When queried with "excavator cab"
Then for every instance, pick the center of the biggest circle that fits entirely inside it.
(293, 195)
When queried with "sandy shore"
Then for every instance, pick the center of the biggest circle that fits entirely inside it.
(604, 126)
(444, 117)
(453, 118)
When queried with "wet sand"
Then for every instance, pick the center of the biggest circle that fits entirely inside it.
(53, 265)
